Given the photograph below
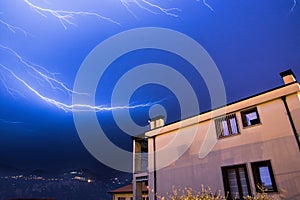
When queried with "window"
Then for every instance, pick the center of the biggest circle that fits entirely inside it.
(263, 176)
(121, 198)
(236, 181)
(226, 126)
(250, 117)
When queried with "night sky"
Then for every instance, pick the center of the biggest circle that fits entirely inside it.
(251, 42)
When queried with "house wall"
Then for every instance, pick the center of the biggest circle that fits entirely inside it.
(272, 140)
(293, 102)
(127, 196)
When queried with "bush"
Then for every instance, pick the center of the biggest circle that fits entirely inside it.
(189, 194)
(208, 194)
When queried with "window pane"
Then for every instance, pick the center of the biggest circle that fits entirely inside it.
(233, 126)
(265, 177)
(233, 185)
(250, 117)
(243, 182)
(236, 181)
(225, 128)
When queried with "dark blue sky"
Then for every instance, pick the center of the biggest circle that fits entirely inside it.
(251, 42)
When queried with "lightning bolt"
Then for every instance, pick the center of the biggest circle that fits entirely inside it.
(11, 91)
(207, 5)
(65, 17)
(12, 28)
(41, 74)
(72, 107)
(49, 77)
(52, 81)
(148, 6)
(294, 5)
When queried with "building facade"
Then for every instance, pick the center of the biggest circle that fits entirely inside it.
(239, 149)
(126, 193)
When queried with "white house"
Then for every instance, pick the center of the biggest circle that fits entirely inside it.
(251, 142)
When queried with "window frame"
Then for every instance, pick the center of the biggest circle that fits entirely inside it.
(256, 175)
(226, 180)
(247, 111)
(220, 129)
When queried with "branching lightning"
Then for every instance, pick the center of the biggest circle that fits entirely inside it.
(65, 17)
(12, 28)
(146, 5)
(41, 74)
(46, 76)
(66, 107)
(11, 91)
(52, 81)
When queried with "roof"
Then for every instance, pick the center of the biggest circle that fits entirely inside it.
(275, 93)
(128, 189)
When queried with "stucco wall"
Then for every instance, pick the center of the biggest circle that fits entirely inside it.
(293, 102)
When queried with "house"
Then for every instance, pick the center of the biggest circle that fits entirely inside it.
(126, 192)
(239, 148)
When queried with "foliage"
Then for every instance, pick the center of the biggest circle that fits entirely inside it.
(206, 193)
(189, 194)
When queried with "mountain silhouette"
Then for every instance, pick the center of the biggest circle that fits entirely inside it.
(6, 169)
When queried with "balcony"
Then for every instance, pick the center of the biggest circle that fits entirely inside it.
(140, 156)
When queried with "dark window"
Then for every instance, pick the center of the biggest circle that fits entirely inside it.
(250, 117)
(226, 126)
(121, 198)
(263, 176)
(236, 181)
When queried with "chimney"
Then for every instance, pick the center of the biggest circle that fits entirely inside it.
(288, 76)
(157, 122)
